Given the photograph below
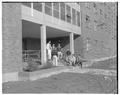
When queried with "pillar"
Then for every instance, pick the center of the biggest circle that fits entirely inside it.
(43, 44)
(72, 43)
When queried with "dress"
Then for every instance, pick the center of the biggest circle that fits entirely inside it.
(49, 50)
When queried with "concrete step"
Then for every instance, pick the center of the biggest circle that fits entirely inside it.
(24, 76)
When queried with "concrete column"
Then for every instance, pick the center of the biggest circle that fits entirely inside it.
(31, 9)
(52, 9)
(72, 43)
(43, 7)
(59, 11)
(43, 44)
(65, 13)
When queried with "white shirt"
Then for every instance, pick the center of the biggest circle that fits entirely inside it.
(48, 46)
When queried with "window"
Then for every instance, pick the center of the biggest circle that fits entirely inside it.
(56, 10)
(37, 6)
(87, 18)
(28, 4)
(73, 16)
(68, 13)
(62, 11)
(78, 18)
(48, 8)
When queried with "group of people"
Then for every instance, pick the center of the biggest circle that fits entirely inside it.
(54, 53)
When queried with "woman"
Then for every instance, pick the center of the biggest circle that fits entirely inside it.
(49, 48)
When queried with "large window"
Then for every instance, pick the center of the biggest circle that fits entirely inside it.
(62, 11)
(68, 13)
(48, 8)
(28, 4)
(78, 18)
(56, 10)
(73, 16)
(37, 6)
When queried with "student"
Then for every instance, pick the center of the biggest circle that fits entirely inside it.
(70, 59)
(59, 51)
(54, 55)
(49, 49)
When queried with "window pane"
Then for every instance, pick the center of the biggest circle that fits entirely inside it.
(48, 4)
(62, 17)
(56, 14)
(48, 10)
(27, 4)
(56, 10)
(73, 17)
(78, 18)
(62, 11)
(37, 6)
(56, 6)
(68, 13)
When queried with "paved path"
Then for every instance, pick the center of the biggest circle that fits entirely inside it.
(54, 71)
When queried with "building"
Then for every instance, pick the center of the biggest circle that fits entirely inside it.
(99, 29)
(28, 26)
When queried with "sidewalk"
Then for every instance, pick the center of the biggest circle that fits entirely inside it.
(44, 73)
(67, 82)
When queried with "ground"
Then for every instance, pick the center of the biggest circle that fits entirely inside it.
(70, 82)
(65, 83)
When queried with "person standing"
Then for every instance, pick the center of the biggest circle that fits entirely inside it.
(49, 49)
(59, 51)
(54, 55)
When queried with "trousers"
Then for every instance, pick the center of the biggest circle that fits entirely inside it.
(49, 54)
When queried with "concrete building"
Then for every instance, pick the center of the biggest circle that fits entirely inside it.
(28, 26)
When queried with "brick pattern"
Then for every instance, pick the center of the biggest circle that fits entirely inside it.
(99, 28)
(12, 37)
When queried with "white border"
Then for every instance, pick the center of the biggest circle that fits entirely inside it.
(52, 1)
(60, 0)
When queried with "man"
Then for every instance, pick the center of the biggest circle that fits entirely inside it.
(49, 49)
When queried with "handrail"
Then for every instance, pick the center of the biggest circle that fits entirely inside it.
(34, 54)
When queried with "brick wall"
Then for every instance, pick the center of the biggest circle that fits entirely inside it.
(11, 37)
(99, 28)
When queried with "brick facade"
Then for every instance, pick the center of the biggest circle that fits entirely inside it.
(12, 37)
(99, 29)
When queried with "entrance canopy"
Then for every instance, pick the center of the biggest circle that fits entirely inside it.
(43, 32)
(32, 30)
